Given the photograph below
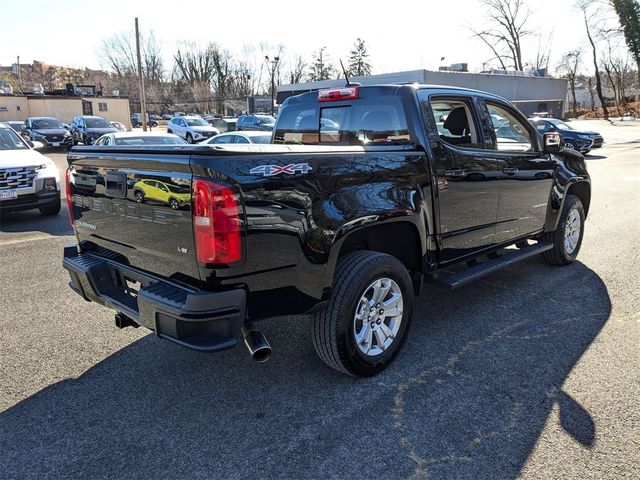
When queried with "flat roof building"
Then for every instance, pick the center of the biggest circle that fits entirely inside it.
(64, 108)
(529, 93)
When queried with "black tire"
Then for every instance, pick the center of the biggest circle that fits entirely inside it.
(173, 203)
(333, 328)
(52, 209)
(139, 196)
(559, 255)
(189, 138)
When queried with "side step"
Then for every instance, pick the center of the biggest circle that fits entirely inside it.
(470, 274)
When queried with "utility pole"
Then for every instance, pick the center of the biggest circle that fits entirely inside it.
(272, 65)
(143, 99)
(19, 75)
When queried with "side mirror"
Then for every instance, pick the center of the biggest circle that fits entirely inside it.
(552, 142)
(36, 145)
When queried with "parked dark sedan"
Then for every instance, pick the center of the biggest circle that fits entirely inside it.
(87, 129)
(47, 130)
(582, 141)
(264, 123)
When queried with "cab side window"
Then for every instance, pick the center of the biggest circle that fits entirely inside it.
(455, 122)
(512, 134)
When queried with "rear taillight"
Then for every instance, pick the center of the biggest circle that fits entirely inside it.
(347, 93)
(69, 199)
(215, 223)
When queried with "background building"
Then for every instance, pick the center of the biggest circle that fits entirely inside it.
(64, 108)
(529, 93)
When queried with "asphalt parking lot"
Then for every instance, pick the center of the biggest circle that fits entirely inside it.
(531, 372)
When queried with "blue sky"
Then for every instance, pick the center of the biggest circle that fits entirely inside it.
(401, 36)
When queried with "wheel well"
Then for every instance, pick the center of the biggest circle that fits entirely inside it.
(582, 190)
(399, 239)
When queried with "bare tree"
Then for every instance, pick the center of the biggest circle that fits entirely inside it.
(296, 69)
(223, 75)
(592, 97)
(194, 65)
(543, 52)
(508, 26)
(584, 5)
(568, 67)
(196, 70)
(118, 53)
(619, 76)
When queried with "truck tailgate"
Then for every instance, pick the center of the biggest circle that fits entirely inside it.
(137, 207)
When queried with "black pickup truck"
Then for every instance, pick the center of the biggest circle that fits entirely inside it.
(366, 195)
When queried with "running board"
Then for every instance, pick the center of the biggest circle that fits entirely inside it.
(470, 274)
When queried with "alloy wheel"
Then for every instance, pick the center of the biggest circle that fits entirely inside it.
(378, 317)
(572, 231)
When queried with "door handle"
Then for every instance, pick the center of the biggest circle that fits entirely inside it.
(510, 170)
(455, 172)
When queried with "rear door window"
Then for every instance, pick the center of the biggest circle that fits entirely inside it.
(455, 122)
(366, 121)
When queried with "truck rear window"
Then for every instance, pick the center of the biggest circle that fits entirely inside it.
(372, 121)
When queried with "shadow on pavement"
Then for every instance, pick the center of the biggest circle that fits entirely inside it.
(32, 221)
(467, 397)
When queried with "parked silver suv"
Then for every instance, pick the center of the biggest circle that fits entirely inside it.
(192, 128)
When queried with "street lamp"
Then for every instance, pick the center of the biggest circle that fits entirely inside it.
(272, 65)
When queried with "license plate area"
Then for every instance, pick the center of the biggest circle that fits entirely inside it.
(8, 194)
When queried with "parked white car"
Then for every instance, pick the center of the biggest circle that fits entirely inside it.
(139, 138)
(28, 179)
(192, 128)
(240, 137)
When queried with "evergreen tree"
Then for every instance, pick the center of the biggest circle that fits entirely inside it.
(629, 15)
(359, 60)
(321, 68)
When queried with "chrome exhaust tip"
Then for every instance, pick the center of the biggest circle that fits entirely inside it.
(256, 343)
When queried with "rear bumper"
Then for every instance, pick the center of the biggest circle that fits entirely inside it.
(30, 201)
(200, 320)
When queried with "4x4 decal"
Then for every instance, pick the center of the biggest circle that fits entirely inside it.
(271, 170)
